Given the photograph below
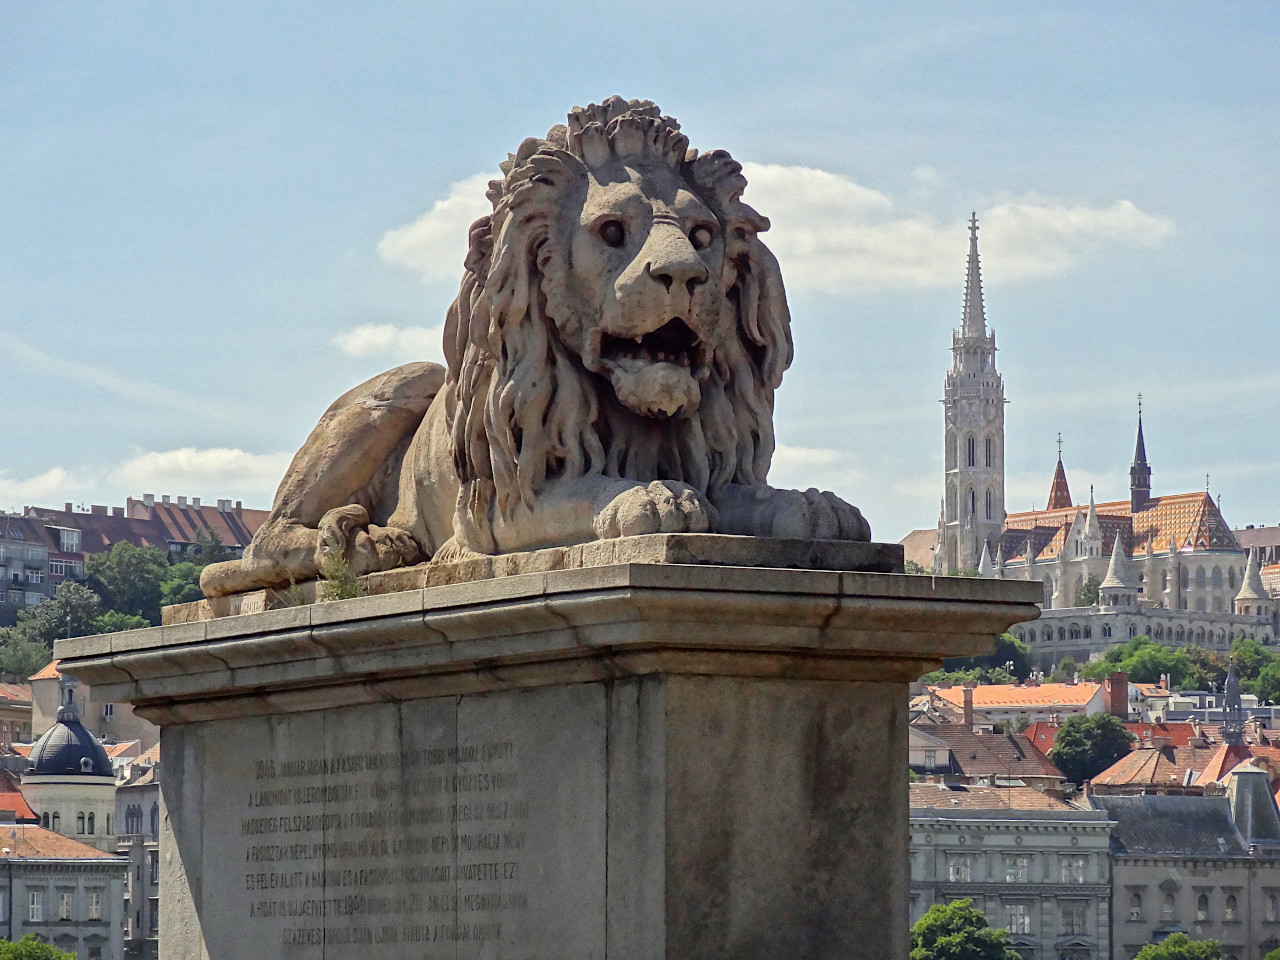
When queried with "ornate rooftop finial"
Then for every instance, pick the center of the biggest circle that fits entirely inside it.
(974, 321)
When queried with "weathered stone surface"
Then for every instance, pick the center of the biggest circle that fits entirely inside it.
(631, 391)
(682, 548)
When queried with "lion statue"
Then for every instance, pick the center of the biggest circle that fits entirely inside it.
(613, 354)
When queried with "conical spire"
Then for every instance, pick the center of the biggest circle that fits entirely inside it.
(1092, 526)
(986, 569)
(1059, 494)
(1118, 575)
(1140, 471)
(1252, 589)
(974, 322)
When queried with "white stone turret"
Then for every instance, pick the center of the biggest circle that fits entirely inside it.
(1252, 600)
(1118, 587)
(986, 569)
(1091, 540)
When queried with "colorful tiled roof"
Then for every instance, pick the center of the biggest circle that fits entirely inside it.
(997, 696)
(30, 842)
(1059, 493)
(941, 796)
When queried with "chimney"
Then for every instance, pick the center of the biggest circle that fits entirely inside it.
(148, 500)
(117, 511)
(224, 506)
(164, 499)
(195, 503)
(1117, 691)
(182, 503)
(968, 704)
(99, 510)
(66, 507)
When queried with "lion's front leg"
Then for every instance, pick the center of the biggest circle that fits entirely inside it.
(791, 514)
(580, 510)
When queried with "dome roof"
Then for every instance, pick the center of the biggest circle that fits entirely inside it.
(68, 749)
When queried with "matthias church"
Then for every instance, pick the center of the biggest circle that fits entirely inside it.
(1166, 565)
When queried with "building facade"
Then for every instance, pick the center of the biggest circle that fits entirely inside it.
(24, 566)
(973, 401)
(109, 722)
(1034, 865)
(138, 822)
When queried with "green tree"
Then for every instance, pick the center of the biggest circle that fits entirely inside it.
(70, 612)
(968, 572)
(1144, 660)
(1008, 649)
(29, 948)
(1087, 745)
(113, 621)
(207, 549)
(1178, 946)
(1249, 657)
(1087, 592)
(1207, 668)
(129, 578)
(182, 585)
(915, 568)
(957, 931)
(18, 657)
(1064, 671)
(1273, 955)
(1267, 686)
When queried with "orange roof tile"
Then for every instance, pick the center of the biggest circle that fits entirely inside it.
(938, 796)
(151, 756)
(1011, 696)
(48, 672)
(31, 842)
(22, 749)
(1168, 766)
(119, 749)
(1043, 734)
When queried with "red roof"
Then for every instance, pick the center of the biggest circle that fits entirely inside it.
(1059, 494)
(48, 672)
(1043, 734)
(1168, 766)
(11, 798)
(1012, 696)
(39, 843)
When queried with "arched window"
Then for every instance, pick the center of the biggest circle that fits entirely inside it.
(80, 823)
(988, 504)
(1202, 908)
(90, 818)
(56, 827)
(988, 451)
(1075, 631)
(155, 819)
(973, 502)
(1167, 907)
(1217, 577)
(44, 820)
(1229, 909)
(1200, 578)
(971, 456)
(1231, 577)
(1200, 635)
(1031, 636)
(1135, 907)
(1133, 630)
(1272, 908)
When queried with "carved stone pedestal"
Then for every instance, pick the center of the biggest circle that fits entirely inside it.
(637, 760)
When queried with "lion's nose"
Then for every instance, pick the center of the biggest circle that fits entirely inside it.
(672, 259)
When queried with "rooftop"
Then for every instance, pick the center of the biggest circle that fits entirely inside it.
(949, 796)
(31, 842)
(1005, 695)
(1156, 824)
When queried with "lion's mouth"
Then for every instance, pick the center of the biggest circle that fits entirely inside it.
(673, 342)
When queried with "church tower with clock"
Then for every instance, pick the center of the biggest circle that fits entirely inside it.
(973, 401)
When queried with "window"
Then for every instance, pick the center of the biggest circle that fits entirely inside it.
(64, 905)
(90, 831)
(35, 906)
(69, 541)
(1135, 907)
(931, 758)
(1200, 578)
(153, 866)
(1017, 869)
(1272, 908)
(971, 457)
(988, 504)
(1216, 579)
(35, 576)
(32, 598)
(1017, 917)
(44, 820)
(153, 921)
(988, 451)
(95, 904)
(80, 823)
(1074, 917)
(1167, 907)
(959, 868)
(95, 953)
(973, 502)
(1073, 869)
(57, 823)
(1229, 910)
(155, 819)
(108, 710)
(1202, 908)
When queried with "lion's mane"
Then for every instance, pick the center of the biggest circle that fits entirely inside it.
(523, 409)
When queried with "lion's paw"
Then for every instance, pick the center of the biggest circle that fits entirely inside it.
(664, 506)
(816, 515)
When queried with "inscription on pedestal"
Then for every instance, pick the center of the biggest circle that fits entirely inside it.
(450, 845)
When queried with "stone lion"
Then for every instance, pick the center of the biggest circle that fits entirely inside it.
(612, 358)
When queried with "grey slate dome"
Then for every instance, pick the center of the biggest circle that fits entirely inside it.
(68, 749)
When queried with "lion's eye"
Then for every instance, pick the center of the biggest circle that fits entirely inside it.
(613, 233)
(701, 237)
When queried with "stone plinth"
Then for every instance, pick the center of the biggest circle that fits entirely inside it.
(638, 760)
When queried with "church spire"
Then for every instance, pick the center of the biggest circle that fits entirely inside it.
(1140, 472)
(974, 322)
(1059, 494)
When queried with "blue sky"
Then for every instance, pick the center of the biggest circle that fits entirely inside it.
(216, 218)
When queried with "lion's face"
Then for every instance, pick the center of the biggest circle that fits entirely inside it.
(644, 285)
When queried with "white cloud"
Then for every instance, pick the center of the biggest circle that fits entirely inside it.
(800, 468)
(55, 484)
(435, 244)
(213, 472)
(834, 235)
(392, 342)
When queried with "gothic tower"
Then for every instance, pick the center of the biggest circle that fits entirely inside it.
(1140, 472)
(973, 410)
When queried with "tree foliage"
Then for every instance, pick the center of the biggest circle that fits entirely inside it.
(1267, 685)
(1008, 649)
(129, 579)
(915, 568)
(1178, 946)
(30, 948)
(958, 931)
(1249, 657)
(1208, 668)
(1087, 745)
(1087, 592)
(1144, 661)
